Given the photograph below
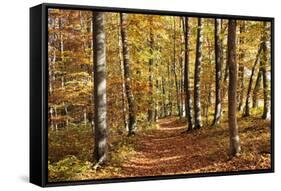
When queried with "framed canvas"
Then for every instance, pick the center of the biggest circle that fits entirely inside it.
(128, 94)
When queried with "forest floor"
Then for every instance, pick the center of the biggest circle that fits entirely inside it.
(168, 149)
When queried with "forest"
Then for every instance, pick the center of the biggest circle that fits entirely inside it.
(135, 95)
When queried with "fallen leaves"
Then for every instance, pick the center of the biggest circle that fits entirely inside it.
(170, 150)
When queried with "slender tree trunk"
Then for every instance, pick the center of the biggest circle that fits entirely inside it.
(91, 75)
(61, 52)
(126, 61)
(170, 85)
(66, 113)
(174, 68)
(52, 118)
(150, 112)
(241, 83)
(188, 101)
(247, 103)
(224, 63)
(209, 98)
(234, 146)
(264, 63)
(256, 89)
(197, 73)
(51, 65)
(181, 58)
(156, 113)
(56, 116)
(123, 96)
(165, 112)
(101, 131)
(218, 58)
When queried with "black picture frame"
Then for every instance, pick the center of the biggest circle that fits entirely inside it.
(39, 93)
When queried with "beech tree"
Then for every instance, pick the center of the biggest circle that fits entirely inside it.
(257, 88)
(126, 61)
(264, 66)
(234, 142)
(197, 74)
(100, 151)
(218, 58)
(188, 101)
(247, 103)
(151, 109)
(241, 68)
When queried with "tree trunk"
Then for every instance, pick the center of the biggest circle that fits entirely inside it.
(197, 71)
(247, 103)
(123, 96)
(52, 118)
(241, 83)
(209, 98)
(66, 113)
(100, 151)
(218, 58)
(188, 101)
(150, 112)
(156, 112)
(224, 63)
(126, 62)
(164, 104)
(264, 63)
(181, 58)
(174, 68)
(170, 85)
(256, 89)
(232, 119)
(56, 116)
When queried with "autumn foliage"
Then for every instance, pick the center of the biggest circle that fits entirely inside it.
(145, 95)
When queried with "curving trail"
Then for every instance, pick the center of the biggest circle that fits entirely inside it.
(170, 150)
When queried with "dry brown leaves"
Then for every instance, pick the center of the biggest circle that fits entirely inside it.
(170, 150)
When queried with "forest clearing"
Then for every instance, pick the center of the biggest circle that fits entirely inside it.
(138, 95)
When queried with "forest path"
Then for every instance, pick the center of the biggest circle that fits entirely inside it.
(169, 149)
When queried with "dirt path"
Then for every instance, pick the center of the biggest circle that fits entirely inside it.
(170, 150)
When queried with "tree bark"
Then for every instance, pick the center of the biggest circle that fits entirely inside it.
(256, 89)
(197, 73)
(174, 68)
(247, 103)
(234, 147)
(123, 95)
(100, 151)
(264, 63)
(181, 61)
(241, 83)
(218, 58)
(164, 104)
(170, 86)
(126, 62)
(188, 101)
(150, 112)
(156, 112)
